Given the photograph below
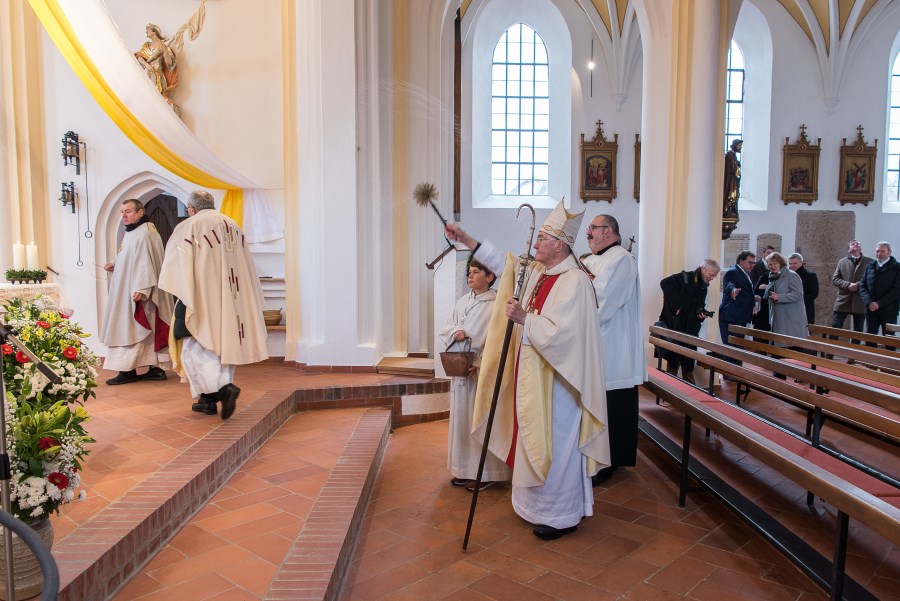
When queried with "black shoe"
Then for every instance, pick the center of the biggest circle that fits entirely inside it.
(154, 373)
(602, 476)
(207, 407)
(550, 533)
(688, 377)
(205, 404)
(124, 377)
(228, 395)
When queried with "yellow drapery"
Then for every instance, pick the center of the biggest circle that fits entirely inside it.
(60, 31)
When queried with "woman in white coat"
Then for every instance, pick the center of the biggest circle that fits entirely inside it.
(470, 320)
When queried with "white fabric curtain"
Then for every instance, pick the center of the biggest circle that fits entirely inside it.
(98, 34)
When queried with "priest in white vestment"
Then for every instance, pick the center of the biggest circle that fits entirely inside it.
(209, 269)
(550, 424)
(618, 290)
(470, 321)
(135, 327)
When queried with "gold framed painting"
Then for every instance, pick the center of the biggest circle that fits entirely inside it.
(856, 183)
(637, 167)
(800, 172)
(598, 166)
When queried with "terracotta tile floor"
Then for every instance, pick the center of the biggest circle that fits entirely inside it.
(638, 545)
(142, 426)
(233, 547)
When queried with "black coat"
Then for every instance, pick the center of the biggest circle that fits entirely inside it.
(882, 285)
(761, 318)
(810, 292)
(684, 296)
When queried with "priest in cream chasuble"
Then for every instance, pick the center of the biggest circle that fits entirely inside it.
(550, 424)
(135, 327)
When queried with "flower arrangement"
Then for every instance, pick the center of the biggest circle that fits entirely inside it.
(45, 432)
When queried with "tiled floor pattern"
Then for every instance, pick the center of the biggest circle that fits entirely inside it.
(140, 427)
(234, 546)
(639, 545)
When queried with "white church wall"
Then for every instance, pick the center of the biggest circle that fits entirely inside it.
(231, 99)
(797, 98)
(501, 225)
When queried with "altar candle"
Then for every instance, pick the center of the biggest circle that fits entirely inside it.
(18, 256)
(31, 256)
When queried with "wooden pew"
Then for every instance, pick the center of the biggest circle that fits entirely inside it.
(883, 423)
(853, 337)
(879, 379)
(867, 355)
(860, 499)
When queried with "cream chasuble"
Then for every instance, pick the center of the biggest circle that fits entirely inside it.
(562, 341)
(137, 268)
(209, 268)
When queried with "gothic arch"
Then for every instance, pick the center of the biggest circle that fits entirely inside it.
(143, 186)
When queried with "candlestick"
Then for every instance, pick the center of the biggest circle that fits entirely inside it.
(31, 256)
(18, 256)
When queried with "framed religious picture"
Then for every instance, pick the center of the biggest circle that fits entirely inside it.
(856, 184)
(598, 166)
(800, 173)
(637, 167)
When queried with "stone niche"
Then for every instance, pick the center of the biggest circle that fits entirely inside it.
(822, 238)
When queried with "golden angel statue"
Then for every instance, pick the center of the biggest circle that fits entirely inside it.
(158, 56)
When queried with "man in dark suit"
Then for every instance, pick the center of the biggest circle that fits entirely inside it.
(810, 285)
(880, 291)
(738, 299)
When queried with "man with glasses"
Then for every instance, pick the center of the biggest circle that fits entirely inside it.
(618, 289)
(684, 310)
(551, 424)
(738, 297)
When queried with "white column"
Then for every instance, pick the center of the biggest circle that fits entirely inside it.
(682, 123)
(327, 220)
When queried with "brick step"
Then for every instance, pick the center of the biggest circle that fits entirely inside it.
(110, 546)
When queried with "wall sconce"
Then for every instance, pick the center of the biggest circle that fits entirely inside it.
(67, 195)
(70, 151)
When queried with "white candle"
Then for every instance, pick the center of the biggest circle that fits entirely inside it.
(31, 256)
(18, 256)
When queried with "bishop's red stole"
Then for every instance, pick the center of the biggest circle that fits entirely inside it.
(535, 304)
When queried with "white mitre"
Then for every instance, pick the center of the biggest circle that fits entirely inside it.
(562, 224)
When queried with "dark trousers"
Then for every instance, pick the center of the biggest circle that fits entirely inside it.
(724, 333)
(685, 363)
(838, 318)
(875, 323)
(622, 414)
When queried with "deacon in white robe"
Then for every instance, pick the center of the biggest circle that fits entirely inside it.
(210, 271)
(618, 290)
(469, 319)
(550, 424)
(135, 327)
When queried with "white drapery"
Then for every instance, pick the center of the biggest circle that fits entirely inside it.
(98, 34)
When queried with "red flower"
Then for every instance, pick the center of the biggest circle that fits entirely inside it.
(7, 349)
(47, 441)
(21, 358)
(61, 481)
(70, 352)
(43, 324)
(63, 314)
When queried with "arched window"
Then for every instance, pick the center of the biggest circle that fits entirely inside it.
(734, 96)
(520, 124)
(892, 164)
(520, 114)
